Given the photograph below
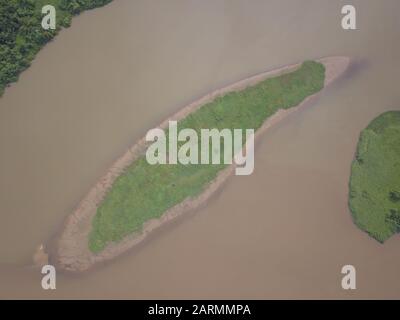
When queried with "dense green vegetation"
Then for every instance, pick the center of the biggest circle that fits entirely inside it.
(374, 197)
(146, 191)
(21, 33)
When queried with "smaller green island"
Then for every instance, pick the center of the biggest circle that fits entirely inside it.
(374, 196)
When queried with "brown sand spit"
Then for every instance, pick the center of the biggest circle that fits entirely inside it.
(70, 250)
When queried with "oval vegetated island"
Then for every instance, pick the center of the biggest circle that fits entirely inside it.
(145, 191)
(134, 197)
(374, 196)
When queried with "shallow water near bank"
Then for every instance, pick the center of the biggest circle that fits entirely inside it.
(285, 231)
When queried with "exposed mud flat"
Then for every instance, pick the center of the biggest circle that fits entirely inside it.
(71, 248)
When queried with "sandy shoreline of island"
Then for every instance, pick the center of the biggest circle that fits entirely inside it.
(70, 250)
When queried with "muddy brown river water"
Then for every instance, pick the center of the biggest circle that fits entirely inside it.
(283, 232)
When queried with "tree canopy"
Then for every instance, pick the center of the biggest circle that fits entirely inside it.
(21, 33)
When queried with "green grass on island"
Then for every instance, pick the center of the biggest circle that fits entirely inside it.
(374, 196)
(22, 35)
(145, 191)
